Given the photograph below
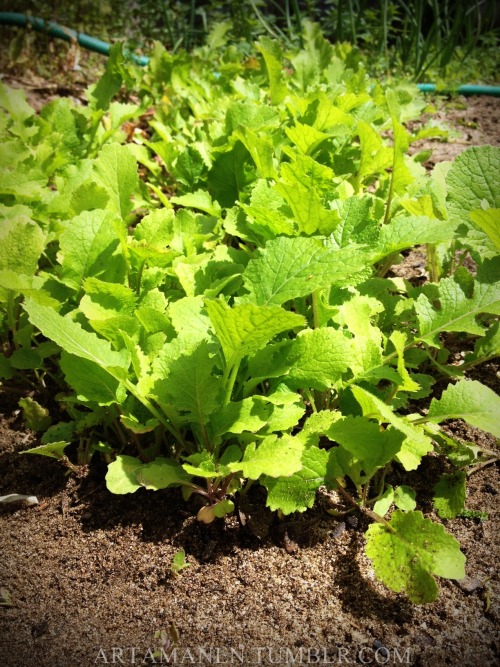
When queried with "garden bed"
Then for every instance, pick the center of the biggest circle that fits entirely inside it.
(206, 297)
(87, 575)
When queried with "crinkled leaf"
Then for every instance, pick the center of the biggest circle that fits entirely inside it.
(243, 330)
(406, 232)
(317, 358)
(297, 492)
(408, 557)
(472, 179)
(273, 456)
(288, 268)
(454, 309)
(364, 439)
(190, 385)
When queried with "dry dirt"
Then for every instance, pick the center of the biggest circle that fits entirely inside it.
(89, 577)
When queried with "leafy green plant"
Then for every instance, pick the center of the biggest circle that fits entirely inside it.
(210, 292)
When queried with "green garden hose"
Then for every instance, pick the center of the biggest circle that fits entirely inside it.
(55, 30)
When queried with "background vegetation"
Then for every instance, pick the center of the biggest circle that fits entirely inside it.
(424, 38)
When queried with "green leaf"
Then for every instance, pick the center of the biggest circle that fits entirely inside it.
(187, 382)
(449, 494)
(243, 330)
(398, 339)
(274, 457)
(54, 450)
(91, 382)
(72, 338)
(401, 176)
(88, 244)
(273, 57)
(473, 180)
(116, 171)
(404, 498)
(317, 358)
(251, 115)
(200, 200)
(104, 300)
(450, 307)
(407, 557)
(383, 504)
(363, 439)
(189, 317)
(306, 138)
(416, 444)
(111, 81)
(260, 148)
(21, 244)
(375, 157)
(486, 347)
(121, 476)
(357, 224)
(489, 222)
(256, 413)
(309, 213)
(179, 562)
(288, 268)
(268, 212)
(229, 176)
(297, 492)
(189, 167)
(35, 416)
(406, 232)
(471, 401)
(161, 473)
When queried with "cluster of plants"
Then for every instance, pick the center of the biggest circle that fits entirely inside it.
(195, 266)
(419, 37)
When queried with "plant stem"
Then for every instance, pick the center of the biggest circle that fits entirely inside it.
(310, 397)
(432, 263)
(373, 515)
(315, 307)
(231, 381)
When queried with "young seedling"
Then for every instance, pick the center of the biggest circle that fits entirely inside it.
(179, 562)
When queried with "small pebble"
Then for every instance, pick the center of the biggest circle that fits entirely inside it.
(382, 650)
(469, 584)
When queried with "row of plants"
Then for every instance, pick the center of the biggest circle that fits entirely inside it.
(419, 37)
(195, 266)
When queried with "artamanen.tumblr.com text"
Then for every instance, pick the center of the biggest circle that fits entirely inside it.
(260, 655)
